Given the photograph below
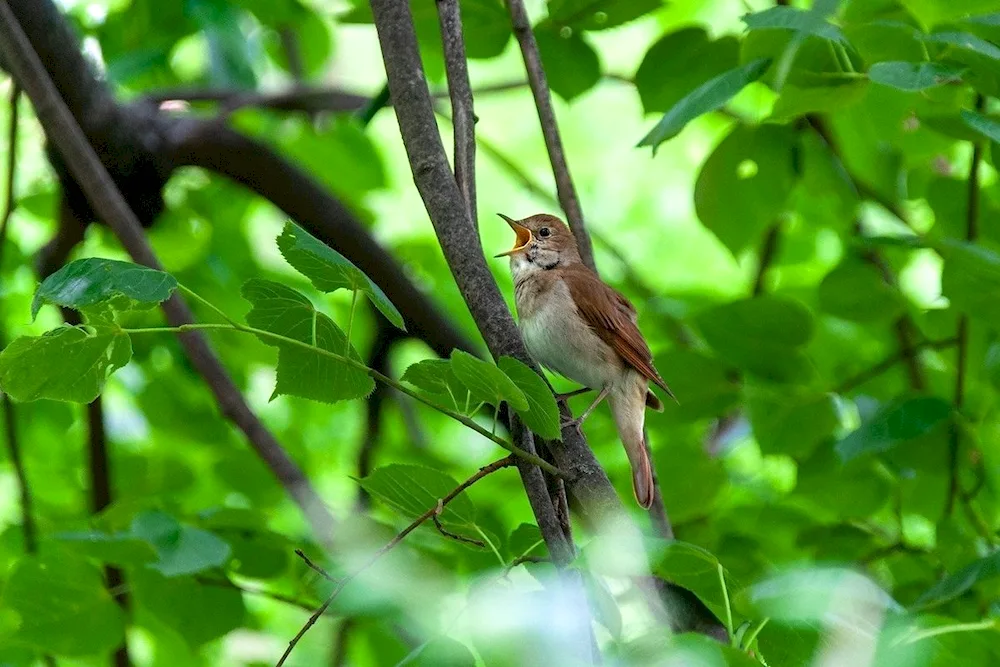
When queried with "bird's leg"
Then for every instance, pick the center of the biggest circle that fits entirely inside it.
(586, 413)
(562, 398)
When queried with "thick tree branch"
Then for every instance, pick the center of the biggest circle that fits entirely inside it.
(460, 91)
(550, 129)
(104, 196)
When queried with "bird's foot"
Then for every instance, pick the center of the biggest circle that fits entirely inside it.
(562, 398)
(576, 423)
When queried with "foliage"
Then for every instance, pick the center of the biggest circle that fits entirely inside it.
(811, 247)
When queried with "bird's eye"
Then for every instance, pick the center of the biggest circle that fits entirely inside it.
(544, 232)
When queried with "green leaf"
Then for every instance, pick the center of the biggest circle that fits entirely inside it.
(679, 62)
(603, 603)
(809, 22)
(542, 415)
(810, 595)
(598, 14)
(122, 549)
(437, 379)
(707, 97)
(894, 425)
(122, 286)
(443, 651)
(762, 335)
(414, 489)
(303, 372)
(793, 425)
(856, 291)
(959, 582)
(64, 606)
(755, 167)
(965, 41)
(987, 126)
(970, 279)
(197, 612)
(65, 364)
(181, 549)
(914, 76)
(526, 540)
(795, 102)
(329, 270)
(694, 568)
(571, 63)
(486, 381)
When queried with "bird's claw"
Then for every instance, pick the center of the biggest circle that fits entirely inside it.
(576, 423)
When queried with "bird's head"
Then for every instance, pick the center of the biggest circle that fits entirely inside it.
(543, 242)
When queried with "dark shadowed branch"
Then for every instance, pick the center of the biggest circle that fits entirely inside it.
(550, 129)
(106, 199)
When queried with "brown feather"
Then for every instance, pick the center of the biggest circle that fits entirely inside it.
(613, 318)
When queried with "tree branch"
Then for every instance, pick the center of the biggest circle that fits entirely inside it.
(483, 472)
(768, 253)
(550, 129)
(460, 91)
(104, 196)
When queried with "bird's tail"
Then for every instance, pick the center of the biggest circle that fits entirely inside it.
(628, 406)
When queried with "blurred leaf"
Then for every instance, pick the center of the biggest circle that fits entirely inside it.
(961, 581)
(122, 549)
(329, 270)
(443, 652)
(688, 649)
(885, 39)
(841, 490)
(710, 96)
(121, 286)
(487, 383)
(970, 279)
(855, 290)
(705, 383)
(571, 63)
(598, 14)
(914, 76)
(64, 606)
(65, 364)
(542, 415)
(198, 612)
(603, 603)
(694, 568)
(302, 372)
(755, 169)
(812, 595)
(988, 127)
(181, 549)
(894, 425)
(762, 335)
(809, 22)
(964, 40)
(793, 425)
(679, 62)
(413, 490)
(795, 101)
(526, 540)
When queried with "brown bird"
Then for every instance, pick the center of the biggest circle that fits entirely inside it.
(575, 325)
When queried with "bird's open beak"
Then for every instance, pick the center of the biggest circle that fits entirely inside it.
(523, 235)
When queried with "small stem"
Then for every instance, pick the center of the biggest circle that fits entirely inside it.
(729, 609)
(748, 642)
(208, 304)
(350, 319)
(483, 472)
(398, 386)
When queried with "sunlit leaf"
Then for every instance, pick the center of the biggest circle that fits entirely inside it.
(487, 382)
(542, 415)
(65, 364)
(87, 283)
(64, 606)
(811, 595)
(329, 270)
(708, 97)
(303, 372)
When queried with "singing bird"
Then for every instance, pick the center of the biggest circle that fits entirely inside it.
(575, 325)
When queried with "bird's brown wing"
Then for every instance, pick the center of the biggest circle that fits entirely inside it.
(613, 318)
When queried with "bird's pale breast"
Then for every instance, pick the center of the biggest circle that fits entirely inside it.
(558, 338)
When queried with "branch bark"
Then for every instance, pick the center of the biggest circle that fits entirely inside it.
(550, 129)
(103, 194)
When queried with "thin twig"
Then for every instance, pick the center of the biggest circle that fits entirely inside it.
(550, 128)
(460, 91)
(855, 381)
(483, 472)
(103, 194)
(313, 566)
(277, 597)
(961, 363)
(455, 536)
(768, 253)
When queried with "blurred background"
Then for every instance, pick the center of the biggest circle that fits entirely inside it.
(815, 267)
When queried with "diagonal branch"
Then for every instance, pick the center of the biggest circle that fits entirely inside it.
(486, 470)
(460, 91)
(104, 196)
(550, 129)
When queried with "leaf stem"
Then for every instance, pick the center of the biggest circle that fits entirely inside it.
(729, 609)
(748, 642)
(208, 304)
(374, 374)
(350, 318)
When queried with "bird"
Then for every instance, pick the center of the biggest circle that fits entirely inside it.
(581, 328)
